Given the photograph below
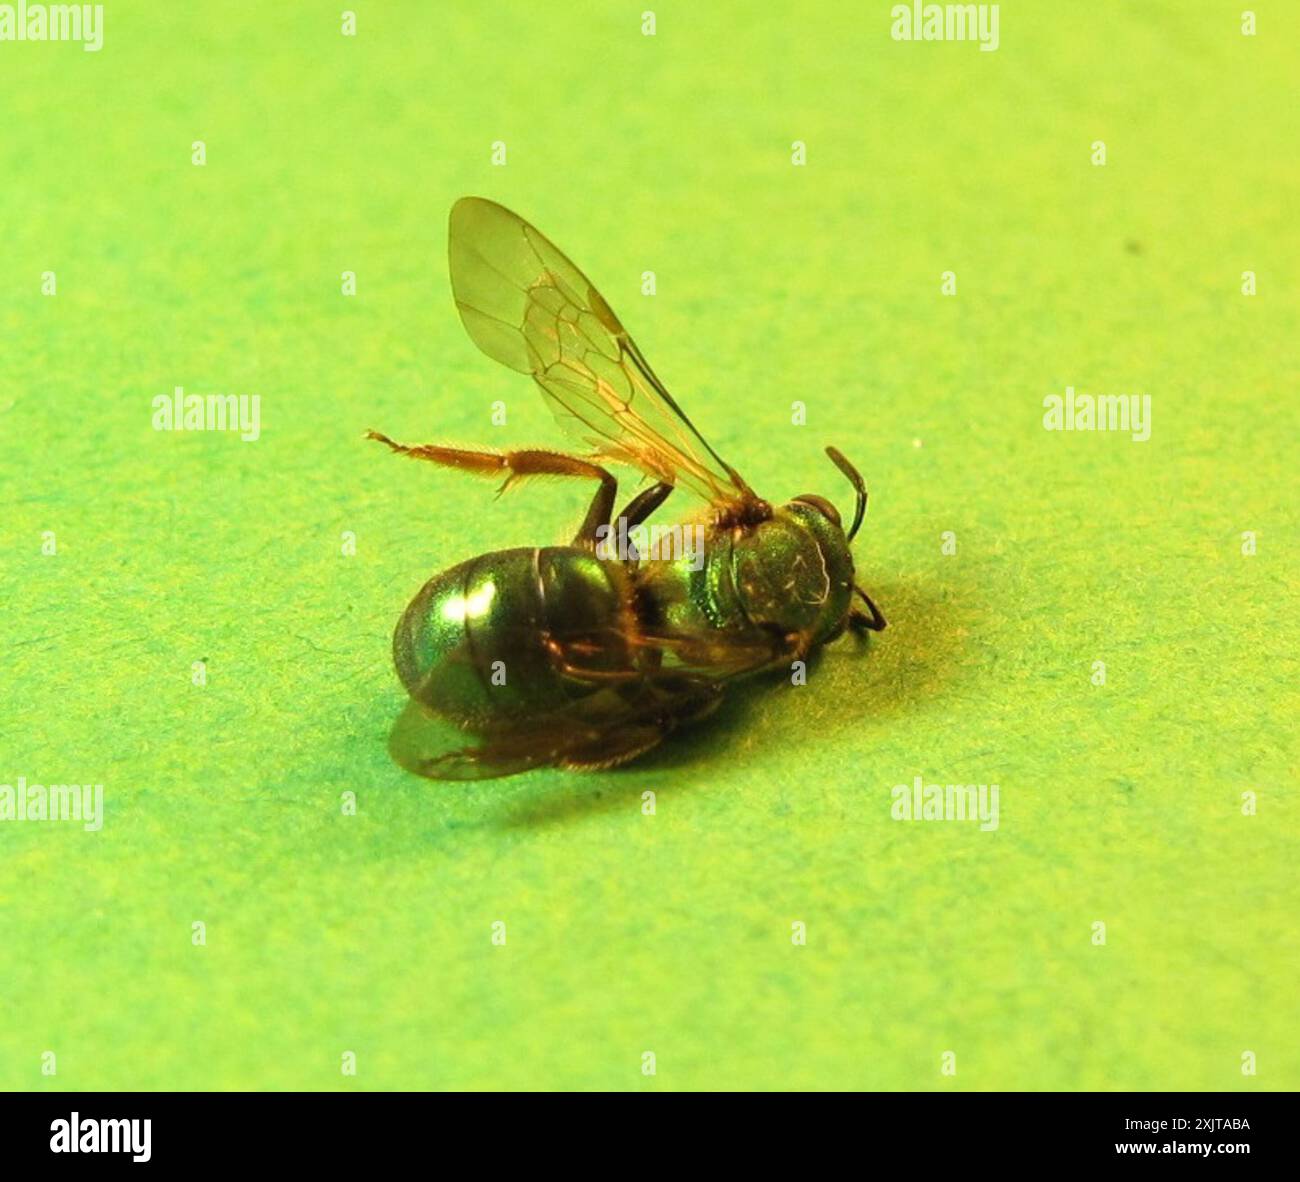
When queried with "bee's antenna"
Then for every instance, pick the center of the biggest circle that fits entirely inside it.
(872, 623)
(855, 479)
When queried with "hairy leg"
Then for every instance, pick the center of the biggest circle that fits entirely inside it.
(519, 465)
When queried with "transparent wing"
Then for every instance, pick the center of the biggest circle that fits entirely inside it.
(527, 306)
(629, 705)
(611, 726)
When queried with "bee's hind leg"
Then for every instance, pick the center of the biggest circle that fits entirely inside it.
(518, 465)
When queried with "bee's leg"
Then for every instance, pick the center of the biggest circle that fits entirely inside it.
(639, 508)
(517, 465)
(860, 621)
(644, 503)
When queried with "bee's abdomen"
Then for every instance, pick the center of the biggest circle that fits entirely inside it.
(512, 633)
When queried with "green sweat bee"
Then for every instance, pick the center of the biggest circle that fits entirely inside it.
(588, 655)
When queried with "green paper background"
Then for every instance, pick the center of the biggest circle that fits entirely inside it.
(371, 933)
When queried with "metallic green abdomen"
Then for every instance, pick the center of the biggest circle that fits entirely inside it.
(513, 633)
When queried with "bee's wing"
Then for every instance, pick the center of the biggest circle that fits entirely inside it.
(609, 727)
(527, 306)
(631, 708)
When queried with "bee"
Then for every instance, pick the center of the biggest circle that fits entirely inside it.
(575, 656)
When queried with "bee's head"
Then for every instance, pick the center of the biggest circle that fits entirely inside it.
(822, 519)
(794, 572)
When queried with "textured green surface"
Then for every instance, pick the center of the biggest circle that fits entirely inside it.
(372, 933)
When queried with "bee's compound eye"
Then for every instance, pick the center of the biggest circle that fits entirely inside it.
(822, 505)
